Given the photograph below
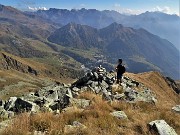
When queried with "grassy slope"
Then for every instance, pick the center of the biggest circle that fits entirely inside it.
(15, 83)
(97, 118)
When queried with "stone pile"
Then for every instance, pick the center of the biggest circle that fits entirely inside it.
(101, 82)
(49, 98)
(98, 81)
(59, 96)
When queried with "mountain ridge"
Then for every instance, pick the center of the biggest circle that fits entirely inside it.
(155, 22)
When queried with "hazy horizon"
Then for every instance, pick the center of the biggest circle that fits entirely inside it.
(121, 6)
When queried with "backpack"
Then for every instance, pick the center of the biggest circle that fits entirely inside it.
(123, 70)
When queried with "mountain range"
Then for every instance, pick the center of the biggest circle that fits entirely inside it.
(158, 23)
(135, 46)
(38, 36)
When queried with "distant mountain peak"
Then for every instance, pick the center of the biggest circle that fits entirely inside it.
(114, 27)
(9, 9)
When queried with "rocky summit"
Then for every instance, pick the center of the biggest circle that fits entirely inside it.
(60, 98)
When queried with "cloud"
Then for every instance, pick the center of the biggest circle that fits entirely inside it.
(33, 9)
(131, 11)
(37, 8)
(164, 9)
(117, 7)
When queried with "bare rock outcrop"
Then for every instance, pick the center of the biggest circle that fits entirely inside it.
(11, 63)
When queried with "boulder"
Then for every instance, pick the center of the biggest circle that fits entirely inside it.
(176, 108)
(20, 105)
(119, 114)
(59, 104)
(161, 128)
(82, 82)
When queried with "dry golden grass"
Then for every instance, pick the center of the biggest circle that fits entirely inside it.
(20, 126)
(14, 83)
(97, 119)
(97, 116)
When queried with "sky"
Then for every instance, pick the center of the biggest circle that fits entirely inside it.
(122, 6)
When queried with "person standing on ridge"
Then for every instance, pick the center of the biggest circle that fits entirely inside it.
(120, 69)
